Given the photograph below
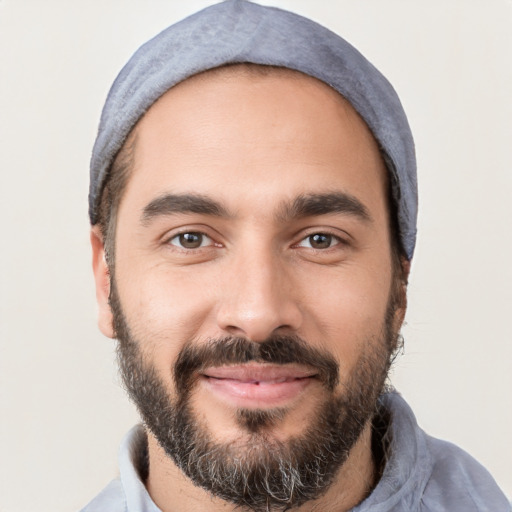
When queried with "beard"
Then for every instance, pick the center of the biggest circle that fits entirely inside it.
(259, 473)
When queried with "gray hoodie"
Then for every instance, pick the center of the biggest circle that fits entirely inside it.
(422, 474)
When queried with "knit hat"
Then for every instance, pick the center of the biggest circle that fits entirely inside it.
(236, 31)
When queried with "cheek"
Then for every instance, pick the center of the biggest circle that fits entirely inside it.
(346, 311)
(165, 309)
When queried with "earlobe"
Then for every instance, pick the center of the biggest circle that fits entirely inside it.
(102, 280)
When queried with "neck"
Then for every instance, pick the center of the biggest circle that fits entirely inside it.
(171, 490)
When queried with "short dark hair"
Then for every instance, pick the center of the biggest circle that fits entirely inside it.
(112, 193)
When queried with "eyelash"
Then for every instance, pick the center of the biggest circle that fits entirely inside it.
(200, 234)
(180, 241)
(333, 240)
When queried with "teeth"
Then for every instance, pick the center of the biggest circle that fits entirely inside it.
(279, 380)
(268, 382)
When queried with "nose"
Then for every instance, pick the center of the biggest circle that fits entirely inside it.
(258, 298)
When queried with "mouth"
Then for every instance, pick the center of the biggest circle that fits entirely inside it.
(258, 385)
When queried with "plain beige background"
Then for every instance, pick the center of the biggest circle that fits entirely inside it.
(62, 413)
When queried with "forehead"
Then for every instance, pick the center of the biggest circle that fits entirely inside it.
(248, 84)
(249, 126)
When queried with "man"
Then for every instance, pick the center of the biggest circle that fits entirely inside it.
(253, 203)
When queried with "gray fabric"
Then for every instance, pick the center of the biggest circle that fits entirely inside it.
(239, 31)
(422, 474)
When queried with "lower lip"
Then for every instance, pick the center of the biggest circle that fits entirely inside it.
(257, 394)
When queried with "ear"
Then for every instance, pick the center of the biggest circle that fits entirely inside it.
(102, 279)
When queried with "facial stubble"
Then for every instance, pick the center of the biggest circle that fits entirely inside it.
(257, 472)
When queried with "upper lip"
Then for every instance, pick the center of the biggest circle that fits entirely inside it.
(252, 372)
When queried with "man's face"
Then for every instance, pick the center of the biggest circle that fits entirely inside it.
(253, 270)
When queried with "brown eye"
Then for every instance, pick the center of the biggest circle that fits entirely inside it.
(319, 241)
(192, 240)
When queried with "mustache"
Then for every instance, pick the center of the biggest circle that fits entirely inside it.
(231, 350)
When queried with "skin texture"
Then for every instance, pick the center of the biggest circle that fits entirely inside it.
(253, 145)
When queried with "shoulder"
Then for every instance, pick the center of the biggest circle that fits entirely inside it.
(458, 482)
(424, 474)
(112, 498)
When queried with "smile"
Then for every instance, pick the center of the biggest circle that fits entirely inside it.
(257, 385)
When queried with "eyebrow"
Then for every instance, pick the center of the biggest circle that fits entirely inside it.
(309, 205)
(169, 204)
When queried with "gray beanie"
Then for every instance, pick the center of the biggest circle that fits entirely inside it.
(237, 31)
